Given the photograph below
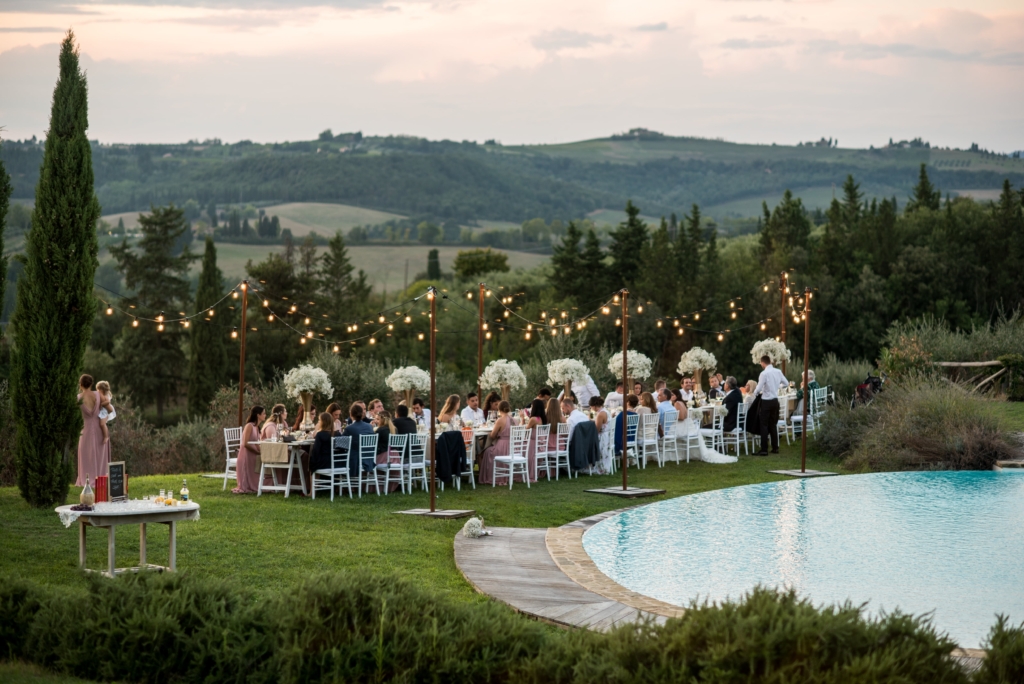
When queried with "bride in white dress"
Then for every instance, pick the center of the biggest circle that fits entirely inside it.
(690, 425)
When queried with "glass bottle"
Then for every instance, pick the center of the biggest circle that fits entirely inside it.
(87, 497)
(184, 491)
(160, 496)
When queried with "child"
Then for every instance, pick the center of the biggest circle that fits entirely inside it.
(107, 412)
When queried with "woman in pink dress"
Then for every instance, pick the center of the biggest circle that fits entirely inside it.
(276, 425)
(501, 446)
(93, 450)
(248, 466)
(553, 412)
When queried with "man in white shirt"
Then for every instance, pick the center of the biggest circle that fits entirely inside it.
(472, 412)
(614, 399)
(573, 416)
(419, 414)
(768, 387)
(686, 389)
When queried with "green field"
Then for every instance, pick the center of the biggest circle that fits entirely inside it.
(325, 219)
(384, 265)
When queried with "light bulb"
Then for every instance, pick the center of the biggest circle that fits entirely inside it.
(302, 340)
(763, 326)
(234, 333)
(507, 314)
(135, 323)
(391, 326)
(640, 309)
(270, 318)
(373, 340)
(160, 327)
(306, 322)
(337, 349)
(696, 317)
(721, 337)
(618, 321)
(529, 326)
(675, 323)
(420, 337)
(309, 333)
(488, 336)
(187, 323)
(680, 332)
(469, 295)
(605, 310)
(266, 302)
(554, 332)
(234, 295)
(408, 319)
(732, 305)
(734, 315)
(212, 312)
(659, 324)
(485, 326)
(110, 311)
(244, 287)
(380, 319)
(567, 330)
(488, 293)
(527, 335)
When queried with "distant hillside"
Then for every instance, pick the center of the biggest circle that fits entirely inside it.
(467, 182)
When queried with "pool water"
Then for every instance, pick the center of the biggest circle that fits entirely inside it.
(948, 542)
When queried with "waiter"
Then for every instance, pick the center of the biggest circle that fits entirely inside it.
(768, 387)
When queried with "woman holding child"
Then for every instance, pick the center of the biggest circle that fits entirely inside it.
(94, 443)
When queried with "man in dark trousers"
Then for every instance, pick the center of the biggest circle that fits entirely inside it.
(733, 400)
(768, 388)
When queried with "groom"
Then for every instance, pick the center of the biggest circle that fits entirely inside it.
(768, 387)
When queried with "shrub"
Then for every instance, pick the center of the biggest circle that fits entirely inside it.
(842, 376)
(188, 447)
(8, 472)
(364, 627)
(982, 343)
(1014, 364)
(767, 636)
(905, 356)
(922, 423)
(1004, 662)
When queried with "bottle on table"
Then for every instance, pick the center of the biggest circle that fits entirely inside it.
(87, 497)
(184, 491)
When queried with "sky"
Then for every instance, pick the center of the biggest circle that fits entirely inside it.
(526, 71)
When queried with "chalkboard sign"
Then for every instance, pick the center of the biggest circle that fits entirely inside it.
(117, 482)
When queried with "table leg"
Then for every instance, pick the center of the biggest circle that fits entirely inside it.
(142, 545)
(81, 544)
(302, 475)
(291, 467)
(172, 562)
(111, 561)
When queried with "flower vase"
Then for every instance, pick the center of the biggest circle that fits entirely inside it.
(307, 408)
(696, 380)
(505, 390)
(567, 389)
(408, 397)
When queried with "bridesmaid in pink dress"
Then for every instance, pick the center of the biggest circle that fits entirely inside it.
(502, 445)
(248, 467)
(93, 450)
(554, 416)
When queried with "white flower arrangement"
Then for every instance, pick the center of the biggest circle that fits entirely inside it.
(561, 371)
(408, 378)
(638, 366)
(306, 378)
(772, 348)
(502, 372)
(696, 359)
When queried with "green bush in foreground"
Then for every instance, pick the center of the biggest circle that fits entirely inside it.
(917, 423)
(362, 627)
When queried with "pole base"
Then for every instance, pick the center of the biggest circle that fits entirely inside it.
(628, 493)
(450, 514)
(806, 473)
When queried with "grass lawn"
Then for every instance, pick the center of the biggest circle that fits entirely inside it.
(270, 542)
(24, 673)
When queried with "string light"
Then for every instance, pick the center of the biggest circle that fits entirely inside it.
(605, 310)
(640, 309)
(732, 305)
(373, 340)
(306, 322)
(488, 335)
(527, 336)
(763, 326)
(567, 330)
(160, 327)
(618, 321)
(696, 317)
(337, 349)
(266, 302)
(302, 340)
(270, 318)
(380, 318)
(408, 319)
(234, 333)
(680, 332)
(212, 312)
(554, 332)
(135, 323)
(469, 295)
(734, 315)
(721, 337)
(420, 337)
(659, 322)
(110, 311)
(234, 295)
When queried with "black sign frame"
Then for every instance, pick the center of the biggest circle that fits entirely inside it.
(117, 482)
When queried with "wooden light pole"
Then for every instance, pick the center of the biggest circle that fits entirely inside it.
(241, 355)
(807, 397)
(432, 296)
(480, 343)
(625, 385)
(783, 281)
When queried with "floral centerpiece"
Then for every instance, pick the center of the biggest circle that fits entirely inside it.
(302, 382)
(773, 349)
(694, 362)
(567, 372)
(504, 375)
(638, 367)
(407, 380)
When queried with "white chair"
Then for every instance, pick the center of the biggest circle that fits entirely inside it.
(784, 426)
(397, 455)
(668, 437)
(561, 454)
(417, 468)
(542, 457)
(517, 460)
(738, 436)
(337, 475)
(232, 443)
(692, 439)
(714, 433)
(632, 425)
(469, 439)
(648, 441)
(367, 449)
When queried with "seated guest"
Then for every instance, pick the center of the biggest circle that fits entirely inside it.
(538, 416)
(320, 453)
(679, 405)
(276, 425)
(544, 394)
(750, 388)
(300, 416)
(491, 404)
(553, 412)
(335, 410)
(573, 416)
(384, 428)
(632, 401)
(356, 429)
(473, 412)
(658, 386)
(665, 405)
(686, 389)
(450, 412)
(732, 401)
(715, 390)
(373, 408)
(365, 418)
(614, 399)
(404, 425)
(638, 388)
(798, 413)
(420, 414)
(500, 444)
(647, 404)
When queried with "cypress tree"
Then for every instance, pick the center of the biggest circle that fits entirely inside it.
(54, 309)
(208, 359)
(925, 194)
(5, 203)
(628, 241)
(433, 265)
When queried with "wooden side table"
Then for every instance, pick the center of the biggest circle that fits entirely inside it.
(110, 515)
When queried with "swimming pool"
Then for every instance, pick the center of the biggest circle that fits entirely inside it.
(948, 542)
